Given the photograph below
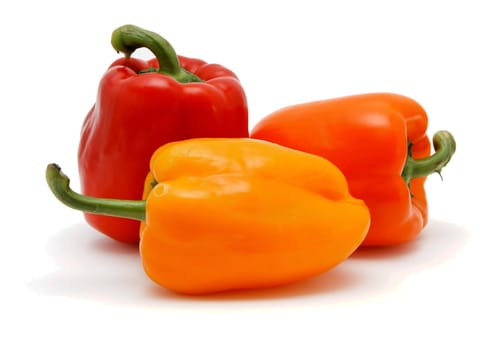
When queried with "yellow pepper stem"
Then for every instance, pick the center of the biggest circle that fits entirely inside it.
(59, 185)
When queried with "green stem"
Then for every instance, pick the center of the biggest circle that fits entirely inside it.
(129, 38)
(59, 184)
(444, 146)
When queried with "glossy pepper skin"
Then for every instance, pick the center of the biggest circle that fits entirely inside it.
(379, 142)
(140, 106)
(228, 214)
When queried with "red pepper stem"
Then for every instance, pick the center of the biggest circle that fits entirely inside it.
(444, 146)
(129, 38)
(59, 184)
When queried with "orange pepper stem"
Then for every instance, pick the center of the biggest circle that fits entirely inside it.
(59, 184)
(129, 38)
(444, 146)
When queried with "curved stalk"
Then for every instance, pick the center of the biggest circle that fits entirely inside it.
(444, 147)
(59, 185)
(129, 38)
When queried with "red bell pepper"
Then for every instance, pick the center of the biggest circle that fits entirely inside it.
(142, 105)
(379, 142)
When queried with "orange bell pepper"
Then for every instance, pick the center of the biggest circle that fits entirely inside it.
(379, 142)
(225, 214)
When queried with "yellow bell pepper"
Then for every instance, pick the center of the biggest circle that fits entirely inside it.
(226, 214)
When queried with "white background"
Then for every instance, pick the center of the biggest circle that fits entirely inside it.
(66, 286)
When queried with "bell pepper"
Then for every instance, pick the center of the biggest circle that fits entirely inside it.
(226, 214)
(144, 104)
(379, 142)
